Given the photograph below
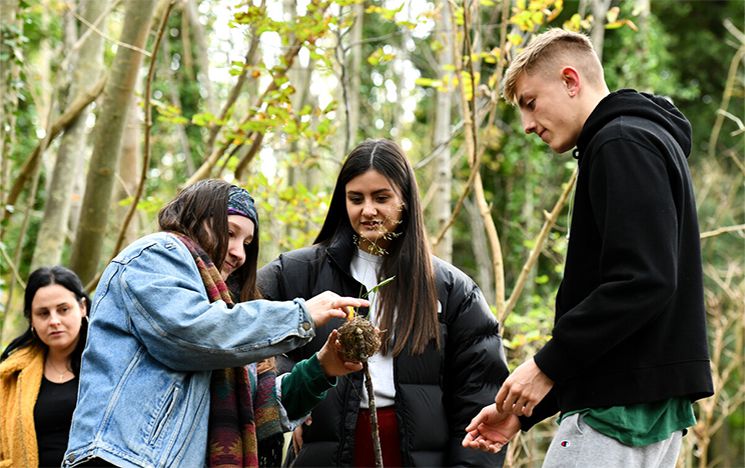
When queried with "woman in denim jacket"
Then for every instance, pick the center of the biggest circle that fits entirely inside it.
(162, 321)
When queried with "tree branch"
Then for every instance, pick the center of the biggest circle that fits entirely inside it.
(249, 60)
(722, 230)
(59, 125)
(728, 89)
(539, 241)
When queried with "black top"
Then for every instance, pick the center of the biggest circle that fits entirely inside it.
(53, 418)
(630, 321)
(437, 392)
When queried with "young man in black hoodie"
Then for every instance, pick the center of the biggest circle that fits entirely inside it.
(628, 353)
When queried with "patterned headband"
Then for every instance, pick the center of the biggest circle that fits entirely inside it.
(240, 203)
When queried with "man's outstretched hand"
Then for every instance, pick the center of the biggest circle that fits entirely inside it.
(490, 430)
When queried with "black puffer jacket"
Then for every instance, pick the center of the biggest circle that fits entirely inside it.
(437, 393)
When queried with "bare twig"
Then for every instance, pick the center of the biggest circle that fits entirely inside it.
(728, 89)
(90, 30)
(373, 417)
(12, 266)
(206, 167)
(94, 28)
(722, 230)
(339, 55)
(539, 241)
(730, 26)
(31, 199)
(249, 60)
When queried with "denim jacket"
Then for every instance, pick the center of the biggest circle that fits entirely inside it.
(154, 339)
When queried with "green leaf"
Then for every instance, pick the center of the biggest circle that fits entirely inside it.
(378, 286)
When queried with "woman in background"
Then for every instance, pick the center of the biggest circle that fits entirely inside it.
(39, 371)
(441, 359)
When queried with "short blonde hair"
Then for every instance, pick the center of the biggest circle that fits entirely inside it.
(551, 48)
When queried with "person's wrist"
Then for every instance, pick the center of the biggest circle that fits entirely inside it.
(321, 356)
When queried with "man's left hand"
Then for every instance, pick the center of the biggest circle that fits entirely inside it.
(523, 390)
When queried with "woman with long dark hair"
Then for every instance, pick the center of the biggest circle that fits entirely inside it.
(169, 375)
(441, 356)
(39, 370)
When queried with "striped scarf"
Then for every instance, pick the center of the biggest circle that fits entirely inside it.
(244, 421)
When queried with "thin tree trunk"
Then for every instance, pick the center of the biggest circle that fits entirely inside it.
(531, 222)
(30, 163)
(70, 157)
(14, 322)
(201, 53)
(175, 98)
(43, 100)
(599, 10)
(355, 65)
(440, 207)
(349, 59)
(107, 140)
(480, 244)
(129, 169)
(8, 96)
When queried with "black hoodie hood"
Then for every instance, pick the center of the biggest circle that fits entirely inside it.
(628, 102)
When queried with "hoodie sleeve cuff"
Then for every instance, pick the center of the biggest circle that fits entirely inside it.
(552, 361)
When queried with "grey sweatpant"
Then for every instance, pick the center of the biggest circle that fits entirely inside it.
(577, 445)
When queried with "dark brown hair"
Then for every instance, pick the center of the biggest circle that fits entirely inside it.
(200, 212)
(412, 296)
(47, 276)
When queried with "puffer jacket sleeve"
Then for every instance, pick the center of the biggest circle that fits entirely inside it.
(172, 316)
(475, 366)
(269, 280)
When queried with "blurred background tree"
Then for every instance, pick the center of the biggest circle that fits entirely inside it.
(271, 94)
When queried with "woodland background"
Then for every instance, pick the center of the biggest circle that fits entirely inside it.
(109, 107)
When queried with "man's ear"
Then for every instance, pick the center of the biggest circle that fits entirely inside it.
(571, 79)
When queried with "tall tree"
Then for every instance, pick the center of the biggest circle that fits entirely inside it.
(599, 8)
(129, 169)
(10, 57)
(200, 51)
(86, 62)
(99, 185)
(440, 206)
(355, 66)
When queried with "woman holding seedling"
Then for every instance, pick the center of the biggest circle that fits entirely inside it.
(441, 358)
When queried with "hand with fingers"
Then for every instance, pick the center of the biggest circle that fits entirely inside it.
(332, 360)
(297, 435)
(490, 430)
(328, 305)
(523, 390)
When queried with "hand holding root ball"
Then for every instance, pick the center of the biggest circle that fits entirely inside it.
(333, 361)
(359, 339)
(348, 347)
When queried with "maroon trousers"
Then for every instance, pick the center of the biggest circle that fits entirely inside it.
(364, 455)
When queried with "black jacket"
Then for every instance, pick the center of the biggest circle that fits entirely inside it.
(437, 393)
(630, 320)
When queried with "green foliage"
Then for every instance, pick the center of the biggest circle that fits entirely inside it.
(292, 206)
